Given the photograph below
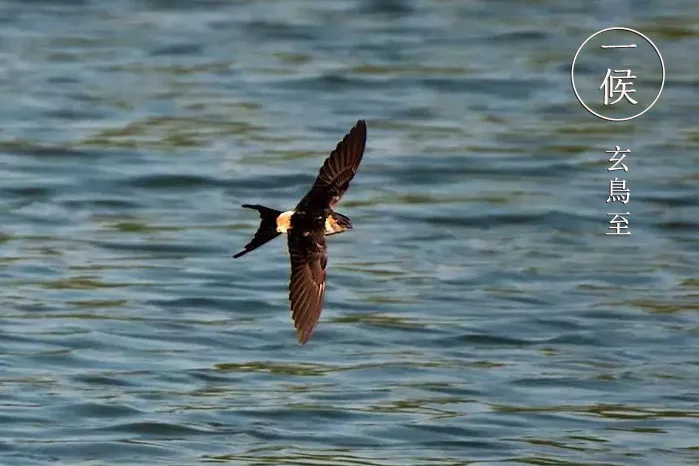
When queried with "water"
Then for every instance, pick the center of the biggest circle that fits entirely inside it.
(477, 313)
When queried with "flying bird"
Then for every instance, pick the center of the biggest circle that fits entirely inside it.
(306, 227)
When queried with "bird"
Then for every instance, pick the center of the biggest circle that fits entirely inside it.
(306, 227)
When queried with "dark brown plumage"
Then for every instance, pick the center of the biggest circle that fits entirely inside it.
(337, 171)
(309, 258)
(309, 223)
(266, 231)
(307, 246)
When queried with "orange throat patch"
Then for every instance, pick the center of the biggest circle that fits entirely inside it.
(332, 227)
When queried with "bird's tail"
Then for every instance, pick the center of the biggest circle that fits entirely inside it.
(266, 231)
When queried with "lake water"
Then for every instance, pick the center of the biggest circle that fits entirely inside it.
(477, 313)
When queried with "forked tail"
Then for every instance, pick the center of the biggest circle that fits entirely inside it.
(266, 231)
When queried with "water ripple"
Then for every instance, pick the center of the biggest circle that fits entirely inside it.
(475, 314)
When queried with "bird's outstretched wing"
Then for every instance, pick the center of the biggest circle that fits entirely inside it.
(309, 257)
(337, 171)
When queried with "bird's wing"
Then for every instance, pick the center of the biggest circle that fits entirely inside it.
(309, 257)
(338, 170)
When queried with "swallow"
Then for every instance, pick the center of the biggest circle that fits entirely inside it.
(306, 227)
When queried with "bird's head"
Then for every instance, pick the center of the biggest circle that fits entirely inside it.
(341, 222)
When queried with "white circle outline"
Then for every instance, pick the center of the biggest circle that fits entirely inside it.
(572, 74)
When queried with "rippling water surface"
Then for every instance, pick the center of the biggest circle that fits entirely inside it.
(476, 314)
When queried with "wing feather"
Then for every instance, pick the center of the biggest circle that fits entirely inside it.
(338, 170)
(308, 256)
